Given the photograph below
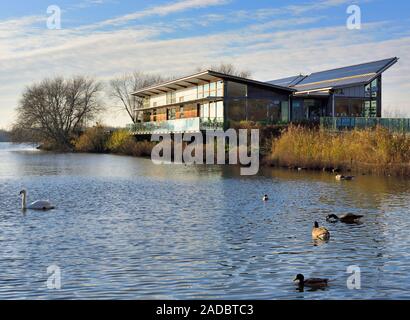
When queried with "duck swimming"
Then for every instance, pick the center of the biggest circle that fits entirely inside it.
(311, 283)
(265, 198)
(320, 233)
(340, 177)
(347, 218)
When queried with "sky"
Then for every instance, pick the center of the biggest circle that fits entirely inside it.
(272, 39)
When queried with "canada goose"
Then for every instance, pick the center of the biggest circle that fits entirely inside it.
(265, 198)
(347, 218)
(311, 283)
(320, 233)
(340, 177)
(36, 205)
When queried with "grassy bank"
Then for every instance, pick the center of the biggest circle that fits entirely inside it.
(99, 140)
(364, 151)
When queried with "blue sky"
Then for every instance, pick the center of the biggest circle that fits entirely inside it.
(272, 39)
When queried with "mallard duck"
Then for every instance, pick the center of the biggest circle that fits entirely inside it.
(340, 177)
(311, 283)
(347, 218)
(320, 233)
(265, 198)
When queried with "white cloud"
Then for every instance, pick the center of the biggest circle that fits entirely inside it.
(163, 10)
(31, 54)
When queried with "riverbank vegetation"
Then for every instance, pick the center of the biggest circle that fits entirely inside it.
(99, 139)
(366, 151)
(55, 111)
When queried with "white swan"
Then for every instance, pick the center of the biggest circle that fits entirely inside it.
(36, 205)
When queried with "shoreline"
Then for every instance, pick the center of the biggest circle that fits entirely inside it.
(359, 169)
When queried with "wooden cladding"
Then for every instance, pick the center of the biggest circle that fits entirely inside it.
(162, 114)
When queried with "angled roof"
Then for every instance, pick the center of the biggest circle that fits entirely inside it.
(200, 78)
(342, 77)
(288, 82)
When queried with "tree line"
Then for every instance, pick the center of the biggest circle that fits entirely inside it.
(59, 109)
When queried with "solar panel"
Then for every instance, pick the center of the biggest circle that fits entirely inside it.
(290, 81)
(361, 69)
(334, 83)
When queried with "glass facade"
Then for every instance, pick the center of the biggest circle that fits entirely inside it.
(213, 89)
(257, 110)
(356, 108)
(212, 110)
(236, 90)
(171, 97)
(236, 109)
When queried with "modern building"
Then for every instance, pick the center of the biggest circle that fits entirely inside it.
(212, 100)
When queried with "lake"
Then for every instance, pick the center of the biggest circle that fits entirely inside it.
(125, 228)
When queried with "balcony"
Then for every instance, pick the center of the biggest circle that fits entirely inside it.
(189, 125)
(349, 123)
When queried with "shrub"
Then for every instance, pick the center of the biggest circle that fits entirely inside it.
(120, 142)
(92, 140)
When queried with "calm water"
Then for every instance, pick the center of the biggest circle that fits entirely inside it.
(127, 229)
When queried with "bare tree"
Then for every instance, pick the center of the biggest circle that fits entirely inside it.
(58, 108)
(230, 69)
(121, 90)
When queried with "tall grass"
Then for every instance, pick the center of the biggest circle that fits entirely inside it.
(375, 150)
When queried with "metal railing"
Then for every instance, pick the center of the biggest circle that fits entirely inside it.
(177, 126)
(348, 123)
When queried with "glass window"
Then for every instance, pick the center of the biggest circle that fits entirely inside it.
(213, 89)
(171, 97)
(285, 111)
(172, 114)
(212, 110)
(154, 115)
(367, 91)
(220, 88)
(146, 102)
(297, 110)
(237, 90)
(220, 109)
(181, 112)
(206, 90)
(274, 111)
(367, 109)
(356, 108)
(342, 107)
(200, 92)
(257, 110)
(205, 110)
(375, 88)
(236, 109)
(201, 111)
(373, 109)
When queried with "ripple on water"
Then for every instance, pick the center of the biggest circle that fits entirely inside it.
(124, 228)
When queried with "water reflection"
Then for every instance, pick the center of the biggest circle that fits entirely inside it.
(124, 228)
